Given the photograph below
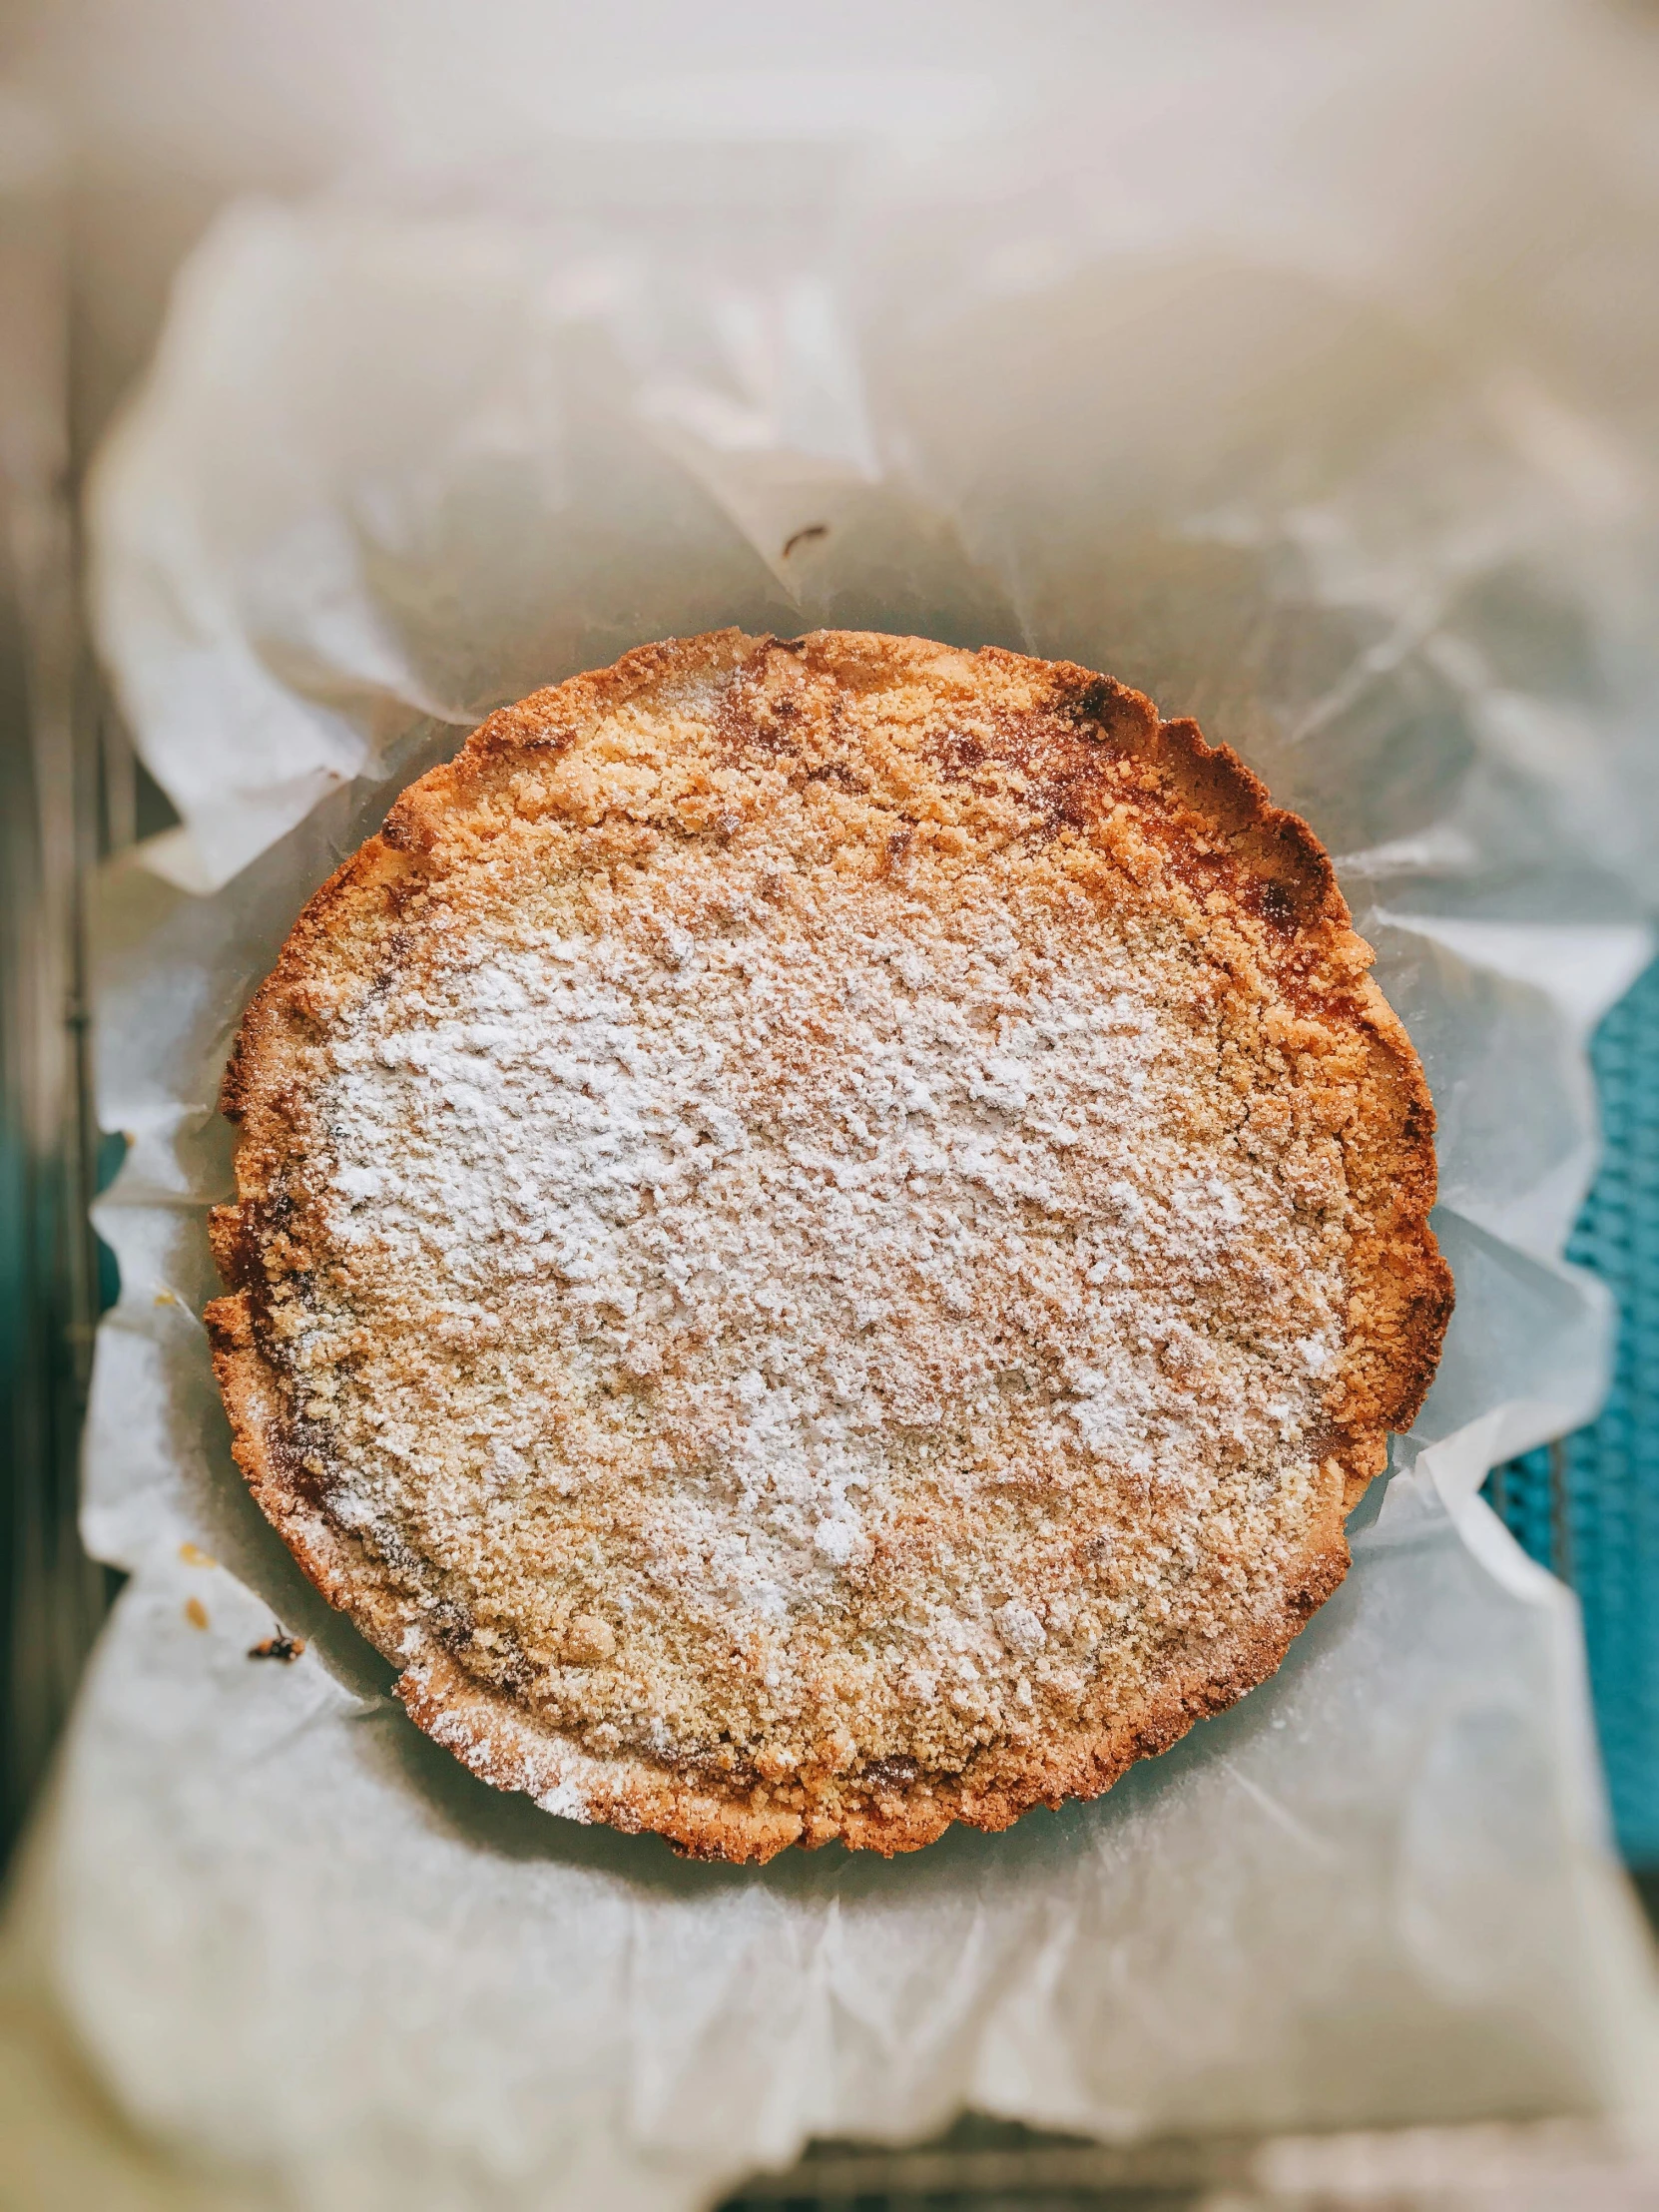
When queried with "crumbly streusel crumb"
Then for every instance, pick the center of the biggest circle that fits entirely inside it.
(818, 1249)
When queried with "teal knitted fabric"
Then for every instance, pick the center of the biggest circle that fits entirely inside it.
(1588, 1507)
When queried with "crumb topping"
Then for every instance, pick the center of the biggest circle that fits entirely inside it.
(829, 1310)
(791, 1295)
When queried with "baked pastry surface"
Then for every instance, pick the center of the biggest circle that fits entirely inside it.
(826, 1234)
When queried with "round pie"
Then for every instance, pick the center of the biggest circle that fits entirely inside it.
(826, 1231)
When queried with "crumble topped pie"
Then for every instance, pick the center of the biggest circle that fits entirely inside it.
(826, 1233)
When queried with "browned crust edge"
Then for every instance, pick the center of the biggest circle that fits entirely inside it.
(1399, 1297)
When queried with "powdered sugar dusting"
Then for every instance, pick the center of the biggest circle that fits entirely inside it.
(769, 1312)
(567, 1799)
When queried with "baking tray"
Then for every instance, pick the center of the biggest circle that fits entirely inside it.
(55, 818)
(1588, 1505)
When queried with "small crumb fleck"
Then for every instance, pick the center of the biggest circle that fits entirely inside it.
(1019, 1627)
(281, 1646)
(166, 1298)
(194, 1556)
(589, 1640)
(196, 1613)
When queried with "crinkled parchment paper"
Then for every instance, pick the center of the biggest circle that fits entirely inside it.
(394, 468)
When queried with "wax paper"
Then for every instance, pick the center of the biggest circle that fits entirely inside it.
(404, 456)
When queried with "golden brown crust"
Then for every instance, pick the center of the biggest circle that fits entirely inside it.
(1084, 771)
